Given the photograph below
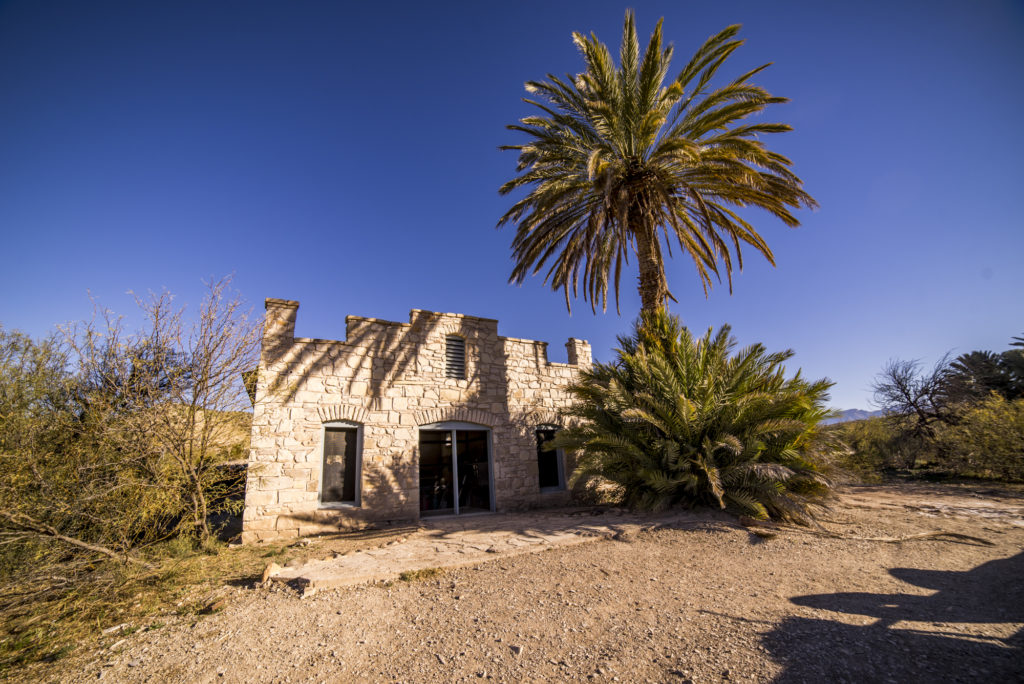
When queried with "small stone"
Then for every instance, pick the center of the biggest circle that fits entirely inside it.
(271, 570)
(133, 663)
(516, 649)
(440, 658)
(215, 606)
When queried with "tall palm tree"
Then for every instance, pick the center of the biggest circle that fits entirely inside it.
(620, 162)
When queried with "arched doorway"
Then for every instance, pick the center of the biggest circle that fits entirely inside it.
(456, 474)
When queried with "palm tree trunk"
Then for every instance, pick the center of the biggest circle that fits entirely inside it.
(652, 285)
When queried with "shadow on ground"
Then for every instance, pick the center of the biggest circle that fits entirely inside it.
(915, 638)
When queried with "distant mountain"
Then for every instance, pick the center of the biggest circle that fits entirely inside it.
(847, 415)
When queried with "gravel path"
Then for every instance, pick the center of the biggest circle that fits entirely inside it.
(456, 541)
(706, 602)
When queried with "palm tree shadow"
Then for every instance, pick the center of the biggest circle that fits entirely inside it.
(375, 354)
(815, 649)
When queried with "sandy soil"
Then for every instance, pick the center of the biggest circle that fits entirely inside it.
(707, 601)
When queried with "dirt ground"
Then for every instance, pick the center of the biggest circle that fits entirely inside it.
(705, 601)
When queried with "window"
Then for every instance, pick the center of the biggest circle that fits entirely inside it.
(455, 357)
(339, 482)
(550, 468)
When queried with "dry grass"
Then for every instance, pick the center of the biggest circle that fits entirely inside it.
(116, 600)
(416, 575)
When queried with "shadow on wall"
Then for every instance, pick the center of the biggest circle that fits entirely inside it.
(338, 520)
(387, 356)
(945, 649)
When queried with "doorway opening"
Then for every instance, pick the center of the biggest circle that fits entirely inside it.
(455, 469)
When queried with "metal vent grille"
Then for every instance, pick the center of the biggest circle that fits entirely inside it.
(455, 357)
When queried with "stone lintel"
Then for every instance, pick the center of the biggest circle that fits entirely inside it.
(281, 303)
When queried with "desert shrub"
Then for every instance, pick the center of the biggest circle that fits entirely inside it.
(878, 445)
(111, 442)
(72, 507)
(987, 440)
(679, 420)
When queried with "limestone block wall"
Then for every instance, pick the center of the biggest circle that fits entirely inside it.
(389, 378)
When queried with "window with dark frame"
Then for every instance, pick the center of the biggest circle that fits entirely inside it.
(549, 461)
(341, 465)
(455, 357)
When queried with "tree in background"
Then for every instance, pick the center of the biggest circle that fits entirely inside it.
(962, 416)
(681, 420)
(904, 390)
(913, 396)
(977, 374)
(201, 366)
(618, 160)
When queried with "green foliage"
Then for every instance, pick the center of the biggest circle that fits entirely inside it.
(618, 157)
(60, 479)
(875, 446)
(681, 420)
(986, 441)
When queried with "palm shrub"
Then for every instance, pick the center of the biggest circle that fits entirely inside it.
(677, 420)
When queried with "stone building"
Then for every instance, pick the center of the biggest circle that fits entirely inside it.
(439, 415)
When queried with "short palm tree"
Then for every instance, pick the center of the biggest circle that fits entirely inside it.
(617, 160)
(677, 420)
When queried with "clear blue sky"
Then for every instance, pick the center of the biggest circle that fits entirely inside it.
(345, 155)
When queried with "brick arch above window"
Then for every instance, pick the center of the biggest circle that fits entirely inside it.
(544, 417)
(356, 414)
(455, 328)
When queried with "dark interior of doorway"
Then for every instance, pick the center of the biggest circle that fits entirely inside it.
(443, 478)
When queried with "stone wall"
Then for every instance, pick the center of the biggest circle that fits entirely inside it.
(390, 378)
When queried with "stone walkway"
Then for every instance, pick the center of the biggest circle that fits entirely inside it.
(458, 541)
